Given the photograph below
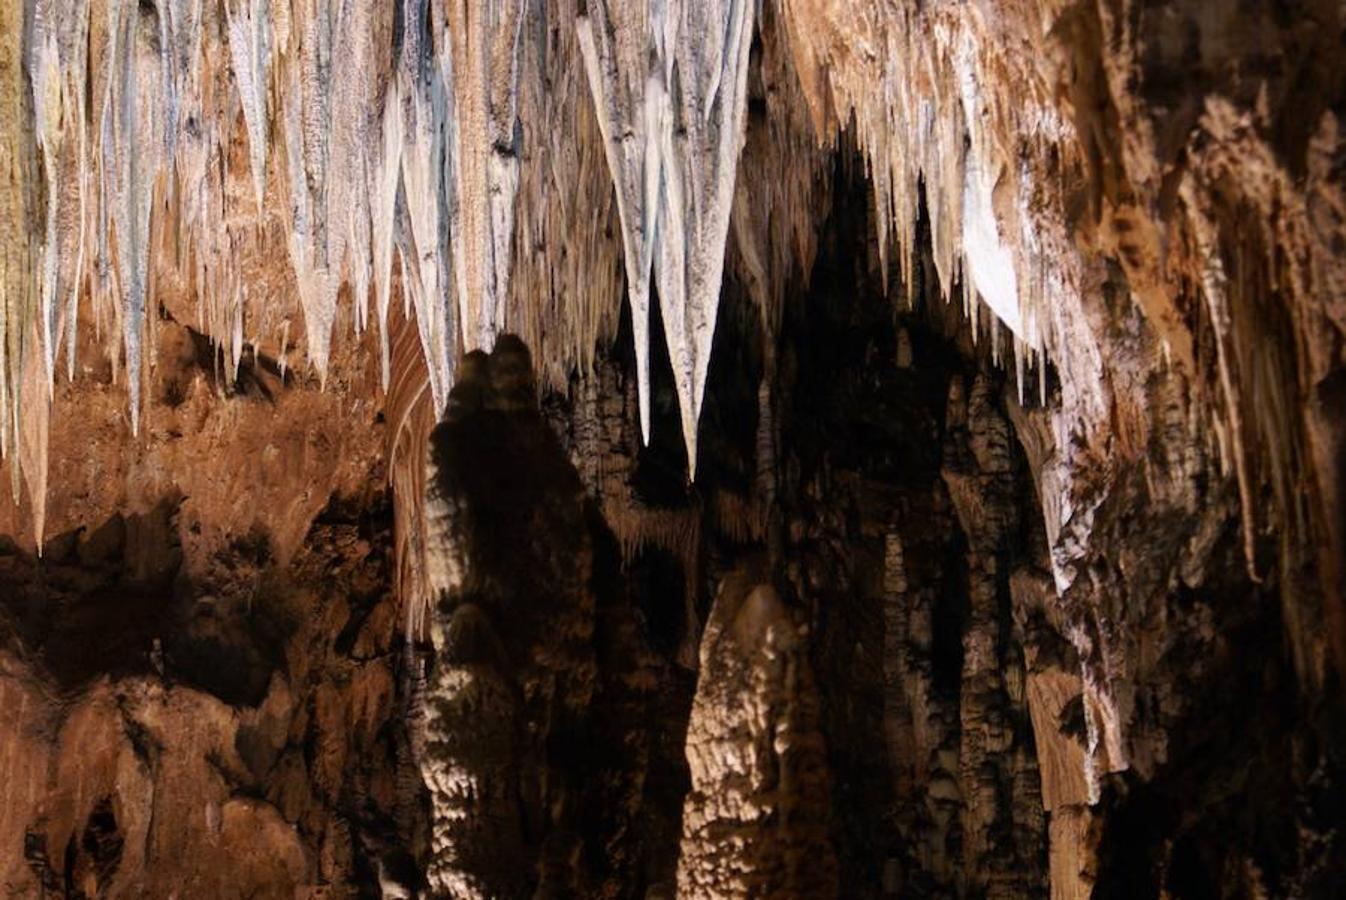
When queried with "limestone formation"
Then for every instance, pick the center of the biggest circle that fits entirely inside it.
(755, 821)
(642, 448)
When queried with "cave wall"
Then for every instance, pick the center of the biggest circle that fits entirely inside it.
(239, 731)
(1004, 341)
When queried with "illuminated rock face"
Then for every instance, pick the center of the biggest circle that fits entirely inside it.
(917, 471)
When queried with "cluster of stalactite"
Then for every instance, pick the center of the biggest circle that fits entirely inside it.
(246, 166)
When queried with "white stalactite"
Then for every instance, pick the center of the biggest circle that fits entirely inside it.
(673, 143)
(138, 141)
(701, 152)
(622, 49)
(381, 147)
(478, 50)
(359, 150)
(249, 23)
(384, 179)
(426, 261)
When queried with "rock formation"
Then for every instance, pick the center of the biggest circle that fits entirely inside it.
(755, 821)
(673, 448)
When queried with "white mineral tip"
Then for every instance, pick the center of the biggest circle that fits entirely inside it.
(673, 150)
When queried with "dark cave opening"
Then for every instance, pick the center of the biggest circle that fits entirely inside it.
(859, 448)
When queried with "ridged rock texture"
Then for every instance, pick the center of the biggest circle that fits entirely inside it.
(651, 448)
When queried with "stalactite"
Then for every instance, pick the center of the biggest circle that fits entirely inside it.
(781, 188)
(138, 133)
(624, 46)
(306, 120)
(700, 153)
(385, 179)
(677, 531)
(901, 90)
(17, 251)
(480, 67)
(249, 24)
(565, 293)
(359, 63)
(466, 151)
(427, 266)
(673, 144)
(58, 126)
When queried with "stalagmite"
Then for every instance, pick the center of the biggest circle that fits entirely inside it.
(753, 823)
